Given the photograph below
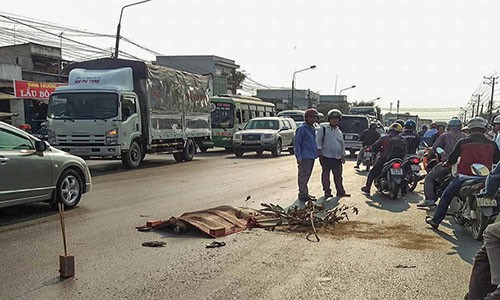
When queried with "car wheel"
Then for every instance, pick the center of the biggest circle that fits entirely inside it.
(132, 158)
(69, 188)
(277, 150)
(238, 153)
(352, 152)
(259, 152)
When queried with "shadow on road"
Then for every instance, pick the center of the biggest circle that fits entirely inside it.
(105, 167)
(24, 213)
(464, 244)
(380, 201)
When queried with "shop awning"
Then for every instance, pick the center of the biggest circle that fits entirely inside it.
(5, 96)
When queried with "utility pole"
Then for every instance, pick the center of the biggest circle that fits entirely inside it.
(492, 80)
(472, 111)
(478, 103)
(397, 110)
(390, 108)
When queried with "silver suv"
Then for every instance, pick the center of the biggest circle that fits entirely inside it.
(32, 171)
(265, 134)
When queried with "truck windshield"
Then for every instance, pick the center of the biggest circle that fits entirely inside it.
(83, 106)
(351, 124)
(222, 115)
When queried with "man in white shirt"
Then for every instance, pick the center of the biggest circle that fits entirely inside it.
(331, 150)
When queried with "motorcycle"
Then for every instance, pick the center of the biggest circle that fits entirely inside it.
(43, 132)
(391, 178)
(477, 207)
(368, 158)
(411, 167)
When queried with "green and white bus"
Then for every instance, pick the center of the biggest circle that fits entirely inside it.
(230, 112)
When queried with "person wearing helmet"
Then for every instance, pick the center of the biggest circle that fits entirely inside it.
(476, 148)
(306, 151)
(422, 131)
(390, 146)
(496, 130)
(367, 138)
(412, 138)
(429, 133)
(331, 150)
(400, 122)
(447, 142)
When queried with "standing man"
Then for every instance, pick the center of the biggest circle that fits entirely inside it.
(447, 142)
(476, 148)
(306, 152)
(367, 137)
(331, 150)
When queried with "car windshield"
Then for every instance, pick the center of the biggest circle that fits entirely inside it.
(83, 106)
(353, 124)
(263, 124)
(222, 115)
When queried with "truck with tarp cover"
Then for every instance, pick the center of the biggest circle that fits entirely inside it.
(115, 108)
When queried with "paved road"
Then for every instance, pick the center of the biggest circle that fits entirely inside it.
(386, 252)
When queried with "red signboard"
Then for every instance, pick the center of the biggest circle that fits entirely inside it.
(34, 90)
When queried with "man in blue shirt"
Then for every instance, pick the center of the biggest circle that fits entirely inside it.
(306, 152)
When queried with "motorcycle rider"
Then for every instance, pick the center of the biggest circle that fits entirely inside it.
(485, 277)
(447, 142)
(367, 137)
(429, 133)
(496, 129)
(412, 139)
(391, 146)
(440, 130)
(475, 148)
(423, 131)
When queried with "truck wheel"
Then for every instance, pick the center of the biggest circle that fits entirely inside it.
(69, 189)
(132, 158)
(178, 156)
(277, 150)
(189, 151)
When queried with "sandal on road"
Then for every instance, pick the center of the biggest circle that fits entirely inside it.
(215, 244)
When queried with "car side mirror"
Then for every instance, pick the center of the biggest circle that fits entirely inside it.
(40, 146)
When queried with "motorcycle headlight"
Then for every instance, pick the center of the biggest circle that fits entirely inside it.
(112, 136)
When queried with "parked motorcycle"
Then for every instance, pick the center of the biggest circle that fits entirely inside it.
(368, 158)
(477, 208)
(391, 178)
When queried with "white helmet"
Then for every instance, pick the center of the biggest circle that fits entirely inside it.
(477, 122)
(496, 120)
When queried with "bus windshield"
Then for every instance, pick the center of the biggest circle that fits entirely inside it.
(83, 106)
(222, 115)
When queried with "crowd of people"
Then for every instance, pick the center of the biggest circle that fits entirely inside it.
(463, 146)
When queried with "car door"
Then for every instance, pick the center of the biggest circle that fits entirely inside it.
(25, 175)
(286, 133)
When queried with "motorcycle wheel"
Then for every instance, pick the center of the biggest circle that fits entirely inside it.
(412, 183)
(393, 190)
(478, 225)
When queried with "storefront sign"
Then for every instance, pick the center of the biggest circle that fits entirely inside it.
(34, 90)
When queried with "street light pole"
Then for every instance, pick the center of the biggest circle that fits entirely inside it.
(117, 43)
(293, 80)
(347, 88)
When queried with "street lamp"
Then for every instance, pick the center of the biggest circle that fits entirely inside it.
(117, 44)
(378, 98)
(347, 88)
(293, 80)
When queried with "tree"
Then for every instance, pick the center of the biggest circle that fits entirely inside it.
(235, 79)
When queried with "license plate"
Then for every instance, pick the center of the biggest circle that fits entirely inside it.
(252, 142)
(80, 151)
(368, 154)
(396, 171)
(415, 167)
(486, 202)
(348, 137)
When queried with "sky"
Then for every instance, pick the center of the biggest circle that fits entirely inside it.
(425, 53)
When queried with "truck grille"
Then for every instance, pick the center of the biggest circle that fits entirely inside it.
(251, 137)
(81, 140)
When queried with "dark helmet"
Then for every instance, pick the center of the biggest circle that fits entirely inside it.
(334, 113)
(410, 124)
(455, 123)
(311, 112)
(424, 126)
(396, 127)
(400, 122)
(373, 125)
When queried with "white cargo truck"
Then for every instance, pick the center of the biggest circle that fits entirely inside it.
(123, 109)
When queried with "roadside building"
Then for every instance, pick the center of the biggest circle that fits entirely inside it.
(224, 79)
(282, 98)
(25, 71)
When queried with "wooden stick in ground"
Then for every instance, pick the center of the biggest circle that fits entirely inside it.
(314, 227)
(61, 217)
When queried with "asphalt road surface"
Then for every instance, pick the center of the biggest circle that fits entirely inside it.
(385, 252)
